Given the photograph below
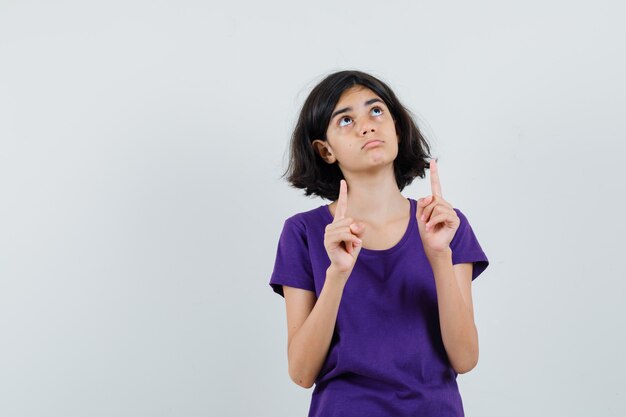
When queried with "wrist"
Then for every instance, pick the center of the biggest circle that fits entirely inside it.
(333, 271)
(444, 255)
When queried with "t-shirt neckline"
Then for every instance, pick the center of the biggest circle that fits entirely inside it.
(397, 246)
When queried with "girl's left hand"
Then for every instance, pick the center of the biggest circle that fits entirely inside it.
(436, 219)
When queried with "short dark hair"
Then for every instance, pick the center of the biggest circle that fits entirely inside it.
(309, 171)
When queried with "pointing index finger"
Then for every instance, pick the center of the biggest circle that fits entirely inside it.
(342, 202)
(435, 185)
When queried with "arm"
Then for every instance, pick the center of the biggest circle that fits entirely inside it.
(456, 313)
(310, 326)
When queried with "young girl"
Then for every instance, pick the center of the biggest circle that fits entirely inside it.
(377, 286)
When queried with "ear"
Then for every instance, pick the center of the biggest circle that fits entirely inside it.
(322, 148)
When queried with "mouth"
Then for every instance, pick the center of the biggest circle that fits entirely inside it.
(372, 143)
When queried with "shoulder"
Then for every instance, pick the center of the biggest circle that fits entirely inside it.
(459, 212)
(313, 218)
(461, 215)
(462, 229)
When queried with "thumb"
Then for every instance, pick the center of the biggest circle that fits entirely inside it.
(421, 204)
(357, 229)
(424, 201)
(356, 249)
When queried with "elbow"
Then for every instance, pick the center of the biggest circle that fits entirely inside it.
(299, 379)
(466, 365)
(303, 384)
(300, 370)
(465, 368)
(299, 374)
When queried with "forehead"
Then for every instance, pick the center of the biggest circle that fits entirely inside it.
(355, 95)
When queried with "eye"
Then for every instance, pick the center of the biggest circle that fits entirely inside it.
(345, 121)
(376, 111)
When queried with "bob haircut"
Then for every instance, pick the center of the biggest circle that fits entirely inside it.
(309, 171)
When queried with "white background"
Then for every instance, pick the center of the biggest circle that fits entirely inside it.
(141, 148)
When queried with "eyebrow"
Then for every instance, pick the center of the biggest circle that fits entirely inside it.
(347, 109)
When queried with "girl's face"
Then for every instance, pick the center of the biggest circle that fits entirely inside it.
(359, 117)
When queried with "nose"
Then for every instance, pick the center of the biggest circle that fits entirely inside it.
(367, 128)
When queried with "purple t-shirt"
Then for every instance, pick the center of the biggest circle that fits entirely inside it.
(386, 356)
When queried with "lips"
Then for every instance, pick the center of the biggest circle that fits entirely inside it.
(370, 141)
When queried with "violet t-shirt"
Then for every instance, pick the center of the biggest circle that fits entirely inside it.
(386, 356)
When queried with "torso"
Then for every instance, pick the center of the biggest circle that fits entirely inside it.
(381, 236)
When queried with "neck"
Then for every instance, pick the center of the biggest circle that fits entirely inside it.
(374, 197)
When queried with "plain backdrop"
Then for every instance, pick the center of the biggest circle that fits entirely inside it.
(141, 148)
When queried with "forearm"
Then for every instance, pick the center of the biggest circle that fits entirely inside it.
(458, 330)
(309, 346)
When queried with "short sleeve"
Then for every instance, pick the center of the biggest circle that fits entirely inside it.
(292, 266)
(465, 247)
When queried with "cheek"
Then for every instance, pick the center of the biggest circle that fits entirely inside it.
(391, 127)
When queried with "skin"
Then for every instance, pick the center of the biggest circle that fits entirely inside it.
(373, 193)
(375, 200)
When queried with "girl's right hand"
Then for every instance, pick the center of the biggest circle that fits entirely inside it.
(342, 237)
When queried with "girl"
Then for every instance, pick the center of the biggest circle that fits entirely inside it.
(377, 286)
